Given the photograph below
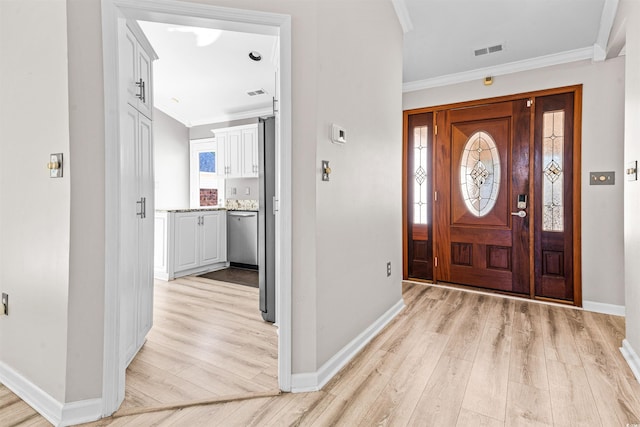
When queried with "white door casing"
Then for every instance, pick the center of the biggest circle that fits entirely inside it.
(185, 13)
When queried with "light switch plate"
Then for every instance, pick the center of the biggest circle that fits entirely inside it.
(602, 178)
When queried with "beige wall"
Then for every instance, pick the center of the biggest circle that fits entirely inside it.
(358, 212)
(87, 253)
(52, 253)
(632, 189)
(34, 209)
(170, 162)
(602, 150)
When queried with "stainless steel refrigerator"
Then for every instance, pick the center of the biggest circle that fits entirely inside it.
(266, 219)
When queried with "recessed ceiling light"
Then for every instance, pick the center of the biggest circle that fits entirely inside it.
(254, 55)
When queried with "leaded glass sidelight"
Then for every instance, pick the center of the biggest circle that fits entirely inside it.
(420, 174)
(480, 174)
(552, 171)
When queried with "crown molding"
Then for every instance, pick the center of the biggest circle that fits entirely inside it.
(512, 67)
(403, 15)
(607, 19)
(261, 112)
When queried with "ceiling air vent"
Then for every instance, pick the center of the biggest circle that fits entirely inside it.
(486, 50)
(256, 92)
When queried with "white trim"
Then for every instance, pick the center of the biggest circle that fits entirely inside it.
(631, 357)
(600, 307)
(185, 13)
(512, 67)
(55, 412)
(260, 112)
(403, 15)
(314, 381)
(607, 18)
(84, 411)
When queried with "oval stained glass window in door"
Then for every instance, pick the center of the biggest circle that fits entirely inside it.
(480, 174)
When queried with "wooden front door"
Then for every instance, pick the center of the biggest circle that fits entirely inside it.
(554, 177)
(419, 179)
(482, 172)
(492, 194)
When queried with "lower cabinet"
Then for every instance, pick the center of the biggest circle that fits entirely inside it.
(189, 242)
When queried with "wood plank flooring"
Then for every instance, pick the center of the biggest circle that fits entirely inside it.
(451, 358)
(208, 340)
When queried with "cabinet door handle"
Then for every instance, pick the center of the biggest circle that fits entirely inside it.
(143, 207)
(142, 95)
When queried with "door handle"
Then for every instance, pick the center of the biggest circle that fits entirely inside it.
(143, 207)
(521, 214)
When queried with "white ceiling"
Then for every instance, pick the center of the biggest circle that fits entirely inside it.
(442, 35)
(205, 84)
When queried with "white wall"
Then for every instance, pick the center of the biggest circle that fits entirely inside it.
(35, 209)
(602, 150)
(170, 162)
(632, 189)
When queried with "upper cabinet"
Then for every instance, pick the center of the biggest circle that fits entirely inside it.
(249, 141)
(238, 151)
(135, 69)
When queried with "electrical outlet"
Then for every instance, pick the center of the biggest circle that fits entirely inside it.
(388, 269)
(5, 304)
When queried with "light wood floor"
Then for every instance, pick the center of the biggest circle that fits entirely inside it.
(208, 340)
(451, 358)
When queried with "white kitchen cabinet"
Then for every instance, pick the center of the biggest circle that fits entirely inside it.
(190, 242)
(136, 195)
(249, 138)
(137, 200)
(238, 151)
(135, 69)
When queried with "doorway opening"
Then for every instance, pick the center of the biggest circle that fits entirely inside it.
(492, 194)
(181, 13)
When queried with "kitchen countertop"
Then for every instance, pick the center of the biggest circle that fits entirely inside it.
(191, 210)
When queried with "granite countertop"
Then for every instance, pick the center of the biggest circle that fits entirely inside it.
(192, 210)
(242, 205)
(231, 205)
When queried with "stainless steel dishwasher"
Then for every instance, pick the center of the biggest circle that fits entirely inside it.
(242, 238)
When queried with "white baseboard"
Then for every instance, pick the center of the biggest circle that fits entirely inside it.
(55, 412)
(314, 381)
(631, 357)
(599, 307)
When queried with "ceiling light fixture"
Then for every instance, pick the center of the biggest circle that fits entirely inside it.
(204, 36)
(255, 56)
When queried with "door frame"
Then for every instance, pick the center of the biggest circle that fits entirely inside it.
(576, 180)
(185, 13)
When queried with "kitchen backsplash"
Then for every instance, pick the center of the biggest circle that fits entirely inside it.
(242, 205)
(241, 188)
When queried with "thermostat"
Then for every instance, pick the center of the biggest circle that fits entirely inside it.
(338, 134)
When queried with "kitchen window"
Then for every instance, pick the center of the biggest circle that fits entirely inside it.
(207, 188)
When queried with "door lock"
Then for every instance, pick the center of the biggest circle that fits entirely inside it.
(522, 201)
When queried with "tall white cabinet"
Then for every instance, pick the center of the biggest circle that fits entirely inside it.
(136, 189)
